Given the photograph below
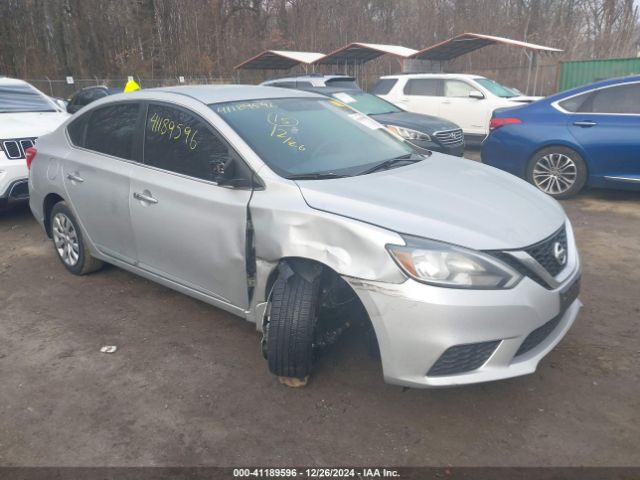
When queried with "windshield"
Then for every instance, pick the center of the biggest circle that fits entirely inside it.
(366, 103)
(300, 136)
(496, 88)
(23, 98)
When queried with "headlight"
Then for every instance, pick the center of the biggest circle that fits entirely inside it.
(447, 265)
(408, 134)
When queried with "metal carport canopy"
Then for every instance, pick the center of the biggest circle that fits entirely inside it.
(468, 42)
(360, 53)
(279, 60)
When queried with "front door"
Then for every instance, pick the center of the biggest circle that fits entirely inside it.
(187, 228)
(96, 177)
(471, 114)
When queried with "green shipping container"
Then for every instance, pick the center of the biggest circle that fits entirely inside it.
(583, 72)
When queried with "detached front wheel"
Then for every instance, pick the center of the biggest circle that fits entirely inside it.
(292, 322)
(557, 171)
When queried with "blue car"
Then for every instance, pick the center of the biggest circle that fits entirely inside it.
(585, 136)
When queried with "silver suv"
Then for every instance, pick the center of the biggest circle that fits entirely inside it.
(293, 211)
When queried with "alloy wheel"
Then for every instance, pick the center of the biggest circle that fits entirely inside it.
(555, 173)
(65, 239)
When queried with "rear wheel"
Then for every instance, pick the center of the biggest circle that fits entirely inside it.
(69, 242)
(557, 171)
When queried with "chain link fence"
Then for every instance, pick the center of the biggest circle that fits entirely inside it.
(62, 89)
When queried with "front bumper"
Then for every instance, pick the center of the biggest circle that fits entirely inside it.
(13, 181)
(416, 324)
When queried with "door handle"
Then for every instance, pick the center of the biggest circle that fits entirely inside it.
(75, 178)
(585, 123)
(143, 197)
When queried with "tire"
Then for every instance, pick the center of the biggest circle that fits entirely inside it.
(69, 242)
(567, 171)
(292, 326)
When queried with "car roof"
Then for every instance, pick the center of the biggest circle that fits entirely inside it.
(229, 93)
(591, 86)
(12, 81)
(433, 75)
(310, 78)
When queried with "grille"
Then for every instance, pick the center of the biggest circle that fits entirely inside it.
(15, 149)
(536, 337)
(462, 358)
(450, 137)
(519, 267)
(543, 252)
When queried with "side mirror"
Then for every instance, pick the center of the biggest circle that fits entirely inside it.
(72, 108)
(476, 94)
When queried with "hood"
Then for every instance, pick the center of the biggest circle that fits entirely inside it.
(416, 121)
(443, 198)
(29, 124)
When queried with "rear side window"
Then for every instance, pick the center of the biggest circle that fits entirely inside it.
(428, 87)
(383, 86)
(111, 130)
(181, 142)
(619, 99)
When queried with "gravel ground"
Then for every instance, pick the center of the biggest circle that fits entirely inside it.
(188, 385)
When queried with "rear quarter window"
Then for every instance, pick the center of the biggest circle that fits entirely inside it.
(77, 129)
(111, 130)
(384, 86)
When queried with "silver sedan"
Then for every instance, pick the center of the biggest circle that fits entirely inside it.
(295, 212)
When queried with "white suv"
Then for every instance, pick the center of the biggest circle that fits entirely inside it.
(25, 114)
(467, 100)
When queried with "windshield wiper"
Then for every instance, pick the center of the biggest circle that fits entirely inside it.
(387, 164)
(315, 176)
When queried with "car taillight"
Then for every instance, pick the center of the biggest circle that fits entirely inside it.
(501, 122)
(30, 153)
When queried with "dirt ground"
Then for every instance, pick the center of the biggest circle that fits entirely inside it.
(188, 385)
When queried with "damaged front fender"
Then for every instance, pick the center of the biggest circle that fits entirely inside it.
(285, 227)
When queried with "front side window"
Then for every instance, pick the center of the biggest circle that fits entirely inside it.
(181, 142)
(300, 136)
(428, 87)
(23, 98)
(111, 130)
(383, 86)
(457, 88)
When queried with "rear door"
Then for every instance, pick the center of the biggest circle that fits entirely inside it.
(421, 95)
(96, 175)
(607, 125)
(189, 229)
